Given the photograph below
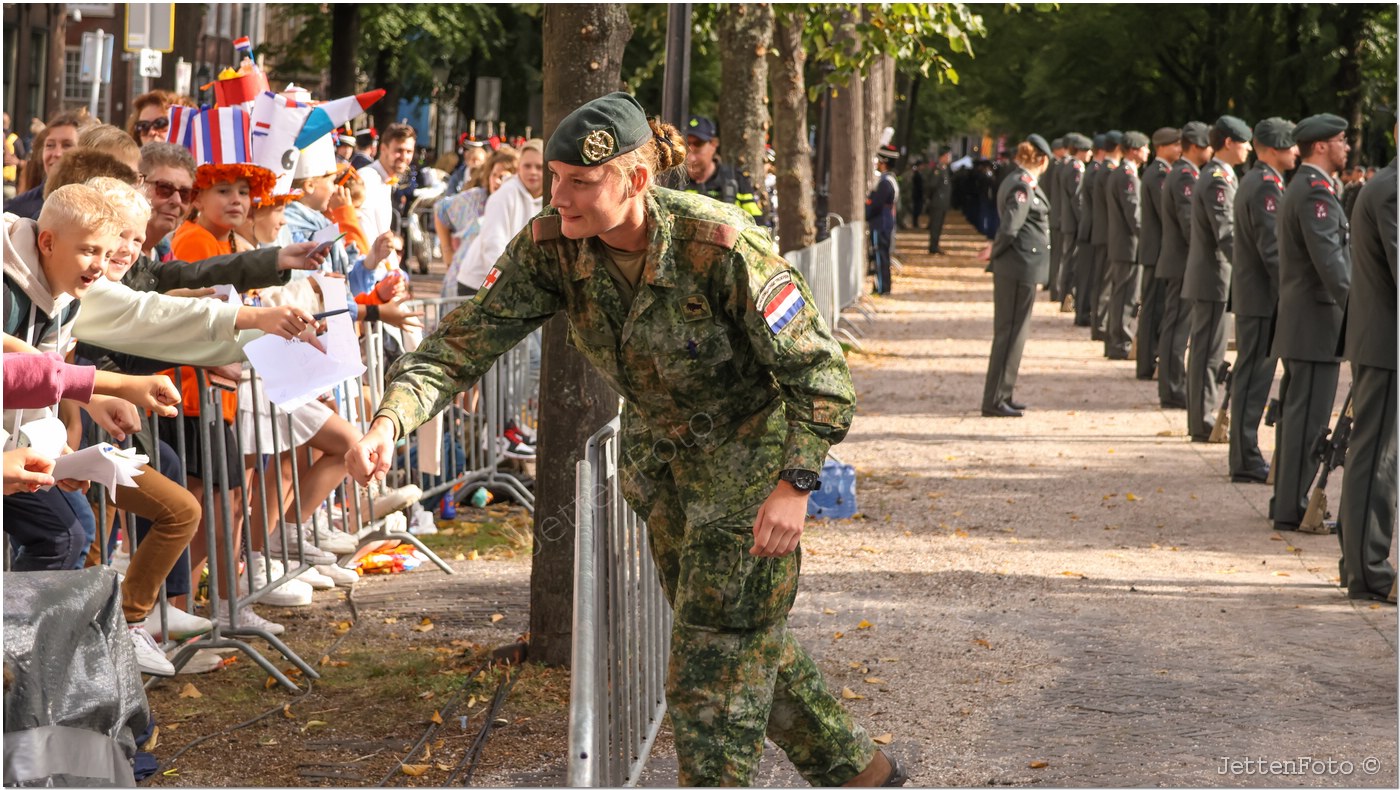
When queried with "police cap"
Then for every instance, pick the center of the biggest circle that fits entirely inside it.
(1196, 133)
(1166, 136)
(701, 128)
(599, 131)
(1319, 127)
(1274, 133)
(1234, 128)
(1039, 143)
(1135, 140)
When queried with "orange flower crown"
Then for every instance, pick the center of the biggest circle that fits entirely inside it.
(260, 179)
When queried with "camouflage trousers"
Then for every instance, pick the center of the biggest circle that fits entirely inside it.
(736, 672)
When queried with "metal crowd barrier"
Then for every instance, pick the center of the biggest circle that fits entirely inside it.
(621, 629)
(834, 269)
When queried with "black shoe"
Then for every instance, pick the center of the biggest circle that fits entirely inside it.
(898, 776)
(1077, 322)
(1001, 410)
(1284, 526)
(1260, 475)
(1098, 336)
(1172, 404)
(1200, 439)
(1148, 377)
(1017, 406)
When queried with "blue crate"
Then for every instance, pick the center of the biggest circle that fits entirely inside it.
(837, 497)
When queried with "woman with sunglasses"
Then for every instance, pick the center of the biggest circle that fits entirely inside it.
(149, 117)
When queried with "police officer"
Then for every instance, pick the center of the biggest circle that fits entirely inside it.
(1123, 194)
(938, 186)
(1368, 484)
(1314, 278)
(734, 392)
(1084, 290)
(1048, 185)
(1098, 193)
(1020, 260)
(1254, 293)
(1166, 143)
(1068, 186)
(881, 206)
(1171, 263)
(1207, 281)
(707, 174)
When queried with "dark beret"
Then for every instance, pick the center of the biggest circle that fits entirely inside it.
(1319, 127)
(1079, 142)
(1112, 138)
(1166, 136)
(1134, 140)
(1196, 133)
(599, 131)
(1234, 128)
(1039, 143)
(1100, 141)
(1058, 142)
(1274, 133)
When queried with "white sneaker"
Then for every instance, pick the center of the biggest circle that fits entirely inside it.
(314, 577)
(390, 500)
(513, 449)
(340, 575)
(309, 552)
(293, 592)
(330, 539)
(182, 624)
(202, 661)
(247, 618)
(149, 659)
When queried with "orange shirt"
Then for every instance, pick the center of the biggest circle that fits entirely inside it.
(349, 221)
(192, 242)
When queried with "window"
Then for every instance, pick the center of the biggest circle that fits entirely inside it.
(79, 94)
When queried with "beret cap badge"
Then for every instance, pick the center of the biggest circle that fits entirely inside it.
(597, 145)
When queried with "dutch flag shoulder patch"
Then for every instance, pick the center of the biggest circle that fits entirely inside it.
(780, 301)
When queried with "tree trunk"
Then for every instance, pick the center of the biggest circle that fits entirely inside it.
(850, 167)
(874, 114)
(58, 35)
(1349, 88)
(793, 154)
(745, 34)
(583, 46)
(345, 47)
(385, 111)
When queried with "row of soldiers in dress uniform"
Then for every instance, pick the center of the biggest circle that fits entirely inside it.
(1151, 252)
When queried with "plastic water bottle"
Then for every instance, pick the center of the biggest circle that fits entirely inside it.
(448, 509)
(481, 498)
(423, 524)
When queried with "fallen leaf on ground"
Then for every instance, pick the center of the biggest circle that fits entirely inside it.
(837, 635)
(437, 717)
(473, 555)
(459, 556)
(846, 693)
(1131, 497)
(287, 711)
(312, 723)
(413, 770)
(390, 620)
(855, 665)
(864, 624)
(1039, 764)
(1275, 537)
(427, 694)
(828, 611)
(151, 742)
(444, 767)
(875, 681)
(1075, 574)
(188, 691)
(884, 740)
(270, 682)
(425, 626)
(982, 643)
(496, 618)
(1280, 573)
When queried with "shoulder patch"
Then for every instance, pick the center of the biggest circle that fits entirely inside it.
(546, 228)
(779, 301)
(1320, 210)
(1270, 205)
(1077, 165)
(719, 234)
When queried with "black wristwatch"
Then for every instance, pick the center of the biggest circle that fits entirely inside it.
(802, 479)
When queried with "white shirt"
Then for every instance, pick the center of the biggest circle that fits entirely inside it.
(376, 215)
(508, 210)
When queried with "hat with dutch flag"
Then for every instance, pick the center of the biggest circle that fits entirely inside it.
(220, 139)
(277, 120)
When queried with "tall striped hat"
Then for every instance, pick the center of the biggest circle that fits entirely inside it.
(220, 139)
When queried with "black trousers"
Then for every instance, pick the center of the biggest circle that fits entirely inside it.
(936, 216)
(1249, 391)
(1056, 253)
(1202, 363)
(1012, 301)
(45, 530)
(1126, 279)
(1307, 392)
(1149, 323)
(881, 243)
(1103, 290)
(1084, 290)
(1171, 344)
(1368, 485)
(1063, 281)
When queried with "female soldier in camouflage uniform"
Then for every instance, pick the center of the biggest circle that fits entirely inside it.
(734, 391)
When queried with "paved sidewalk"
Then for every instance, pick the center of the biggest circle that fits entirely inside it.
(1079, 597)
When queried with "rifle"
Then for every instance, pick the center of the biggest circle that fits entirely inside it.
(1220, 434)
(1331, 451)
(1271, 415)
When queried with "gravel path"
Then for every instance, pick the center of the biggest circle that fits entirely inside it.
(1079, 597)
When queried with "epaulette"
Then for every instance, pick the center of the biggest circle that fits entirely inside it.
(1217, 173)
(1324, 183)
(546, 228)
(1026, 178)
(719, 234)
(1273, 178)
(1078, 165)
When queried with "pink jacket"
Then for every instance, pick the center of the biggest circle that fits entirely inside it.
(33, 381)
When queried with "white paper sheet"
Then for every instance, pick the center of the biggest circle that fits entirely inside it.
(229, 294)
(294, 373)
(103, 464)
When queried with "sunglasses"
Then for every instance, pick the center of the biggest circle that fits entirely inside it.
(165, 190)
(156, 125)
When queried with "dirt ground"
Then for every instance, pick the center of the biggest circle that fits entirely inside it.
(1076, 598)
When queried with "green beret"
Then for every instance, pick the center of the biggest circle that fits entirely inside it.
(1135, 140)
(599, 131)
(1166, 136)
(1319, 127)
(1234, 128)
(1196, 133)
(1274, 133)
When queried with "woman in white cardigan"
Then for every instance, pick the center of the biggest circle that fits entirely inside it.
(508, 210)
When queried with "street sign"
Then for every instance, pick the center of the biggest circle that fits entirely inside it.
(488, 99)
(150, 26)
(95, 61)
(150, 62)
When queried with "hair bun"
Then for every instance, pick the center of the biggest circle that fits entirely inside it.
(670, 145)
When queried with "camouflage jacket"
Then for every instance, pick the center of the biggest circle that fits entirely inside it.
(729, 372)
